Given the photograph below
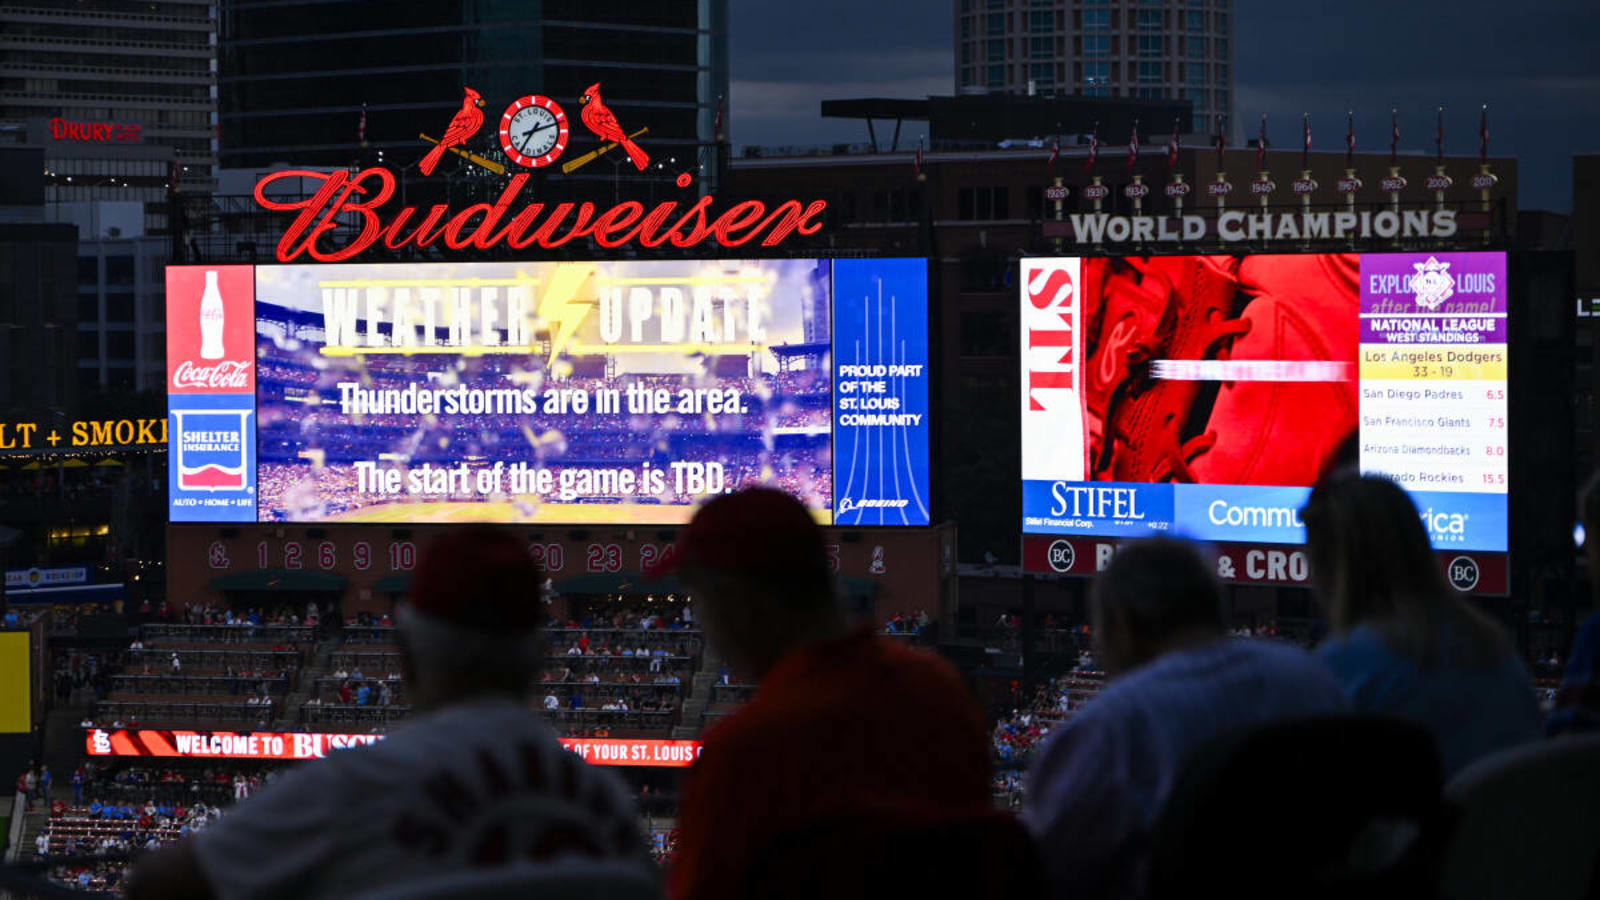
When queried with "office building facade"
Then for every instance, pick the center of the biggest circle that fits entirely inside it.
(1145, 49)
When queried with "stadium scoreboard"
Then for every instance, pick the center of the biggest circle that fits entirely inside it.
(603, 392)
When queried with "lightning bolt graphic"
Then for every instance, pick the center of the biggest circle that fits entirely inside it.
(560, 309)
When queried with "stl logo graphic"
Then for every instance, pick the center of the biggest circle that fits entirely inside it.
(1433, 284)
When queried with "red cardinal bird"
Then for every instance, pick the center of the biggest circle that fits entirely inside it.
(467, 121)
(603, 123)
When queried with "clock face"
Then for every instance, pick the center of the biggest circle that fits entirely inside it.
(533, 131)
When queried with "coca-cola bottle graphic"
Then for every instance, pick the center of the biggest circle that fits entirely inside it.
(211, 319)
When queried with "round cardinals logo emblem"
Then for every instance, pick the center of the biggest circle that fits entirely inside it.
(1433, 283)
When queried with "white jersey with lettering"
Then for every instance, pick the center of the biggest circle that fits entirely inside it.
(469, 786)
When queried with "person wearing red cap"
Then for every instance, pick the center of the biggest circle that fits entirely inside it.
(475, 780)
(843, 723)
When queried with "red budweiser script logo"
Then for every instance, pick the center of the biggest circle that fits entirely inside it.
(231, 375)
(360, 199)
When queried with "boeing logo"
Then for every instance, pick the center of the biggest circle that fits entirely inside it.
(1095, 502)
(1221, 512)
(848, 505)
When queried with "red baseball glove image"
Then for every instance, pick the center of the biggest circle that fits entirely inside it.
(1219, 369)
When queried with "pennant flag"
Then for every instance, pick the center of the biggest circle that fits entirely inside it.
(1261, 145)
(1438, 137)
(1172, 147)
(361, 127)
(1350, 139)
(916, 162)
(1055, 153)
(1394, 134)
(1222, 142)
(1483, 135)
(1094, 148)
(1133, 146)
(716, 123)
(1305, 151)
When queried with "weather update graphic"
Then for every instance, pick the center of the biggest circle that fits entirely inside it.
(572, 391)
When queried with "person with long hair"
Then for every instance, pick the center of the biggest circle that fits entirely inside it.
(1403, 642)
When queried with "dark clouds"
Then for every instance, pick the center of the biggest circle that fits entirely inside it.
(1534, 64)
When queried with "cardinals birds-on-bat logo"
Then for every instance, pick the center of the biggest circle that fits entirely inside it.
(603, 123)
(468, 119)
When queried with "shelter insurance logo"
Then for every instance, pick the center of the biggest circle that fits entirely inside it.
(211, 448)
(211, 330)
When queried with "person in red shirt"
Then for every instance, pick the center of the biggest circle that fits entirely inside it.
(844, 723)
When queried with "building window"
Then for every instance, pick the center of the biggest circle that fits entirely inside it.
(1096, 19)
(982, 204)
(1096, 73)
(1096, 45)
(1100, 91)
(996, 51)
(1194, 21)
(1042, 21)
(997, 76)
(1195, 73)
(1041, 47)
(1150, 45)
(1222, 73)
(1196, 47)
(1222, 22)
(997, 23)
(1222, 47)
(1149, 20)
(966, 27)
(1149, 93)
(1149, 73)
(1042, 74)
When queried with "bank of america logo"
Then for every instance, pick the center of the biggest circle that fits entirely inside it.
(211, 449)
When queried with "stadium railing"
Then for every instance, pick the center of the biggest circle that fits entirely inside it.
(239, 685)
(151, 712)
(229, 634)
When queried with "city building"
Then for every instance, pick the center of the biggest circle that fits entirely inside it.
(1146, 49)
(122, 314)
(116, 73)
(336, 83)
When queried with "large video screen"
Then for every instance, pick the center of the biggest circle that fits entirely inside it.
(1203, 395)
(561, 392)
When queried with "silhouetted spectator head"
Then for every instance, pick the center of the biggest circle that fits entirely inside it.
(1156, 595)
(1372, 563)
(756, 562)
(471, 623)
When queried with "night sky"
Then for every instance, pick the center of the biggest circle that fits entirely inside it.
(1534, 63)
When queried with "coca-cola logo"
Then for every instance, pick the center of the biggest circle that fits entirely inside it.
(1349, 185)
(1438, 182)
(1219, 188)
(1304, 185)
(1263, 187)
(1096, 191)
(227, 374)
(1483, 181)
(1135, 191)
(1178, 189)
(1393, 183)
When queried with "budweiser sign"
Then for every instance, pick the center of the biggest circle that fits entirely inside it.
(1096, 192)
(1438, 182)
(229, 375)
(1348, 185)
(1178, 189)
(362, 199)
(1219, 189)
(1135, 191)
(1392, 183)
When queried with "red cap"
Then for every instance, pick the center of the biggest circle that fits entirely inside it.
(756, 531)
(480, 578)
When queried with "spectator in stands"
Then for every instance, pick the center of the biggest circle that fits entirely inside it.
(916, 740)
(368, 818)
(77, 786)
(1404, 643)
(45, 781)
(1101, 778)
(1577, 701)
